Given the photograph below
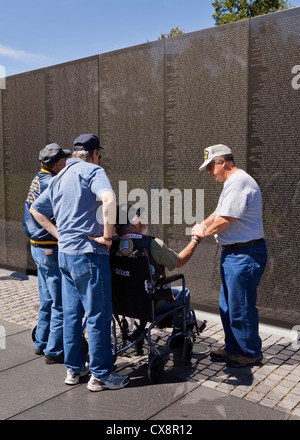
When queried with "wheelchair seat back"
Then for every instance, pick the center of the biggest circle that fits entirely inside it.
(132, 284)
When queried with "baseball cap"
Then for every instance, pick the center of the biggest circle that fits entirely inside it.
(214, 151)
(87, 142)
(52, 153)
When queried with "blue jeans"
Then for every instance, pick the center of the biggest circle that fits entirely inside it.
(180, 298)
(49, 330)
(241, 272)
(86, 288)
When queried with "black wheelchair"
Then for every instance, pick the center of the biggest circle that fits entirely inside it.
(134, 296)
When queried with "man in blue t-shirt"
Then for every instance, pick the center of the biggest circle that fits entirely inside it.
(238, 227)
(83, 203)
(49, 329)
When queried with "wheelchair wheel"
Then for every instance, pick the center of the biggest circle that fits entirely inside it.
(155, 368)
(187, 351)
(33, 332)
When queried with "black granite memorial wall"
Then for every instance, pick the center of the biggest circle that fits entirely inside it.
(273, 154)
(155, 108)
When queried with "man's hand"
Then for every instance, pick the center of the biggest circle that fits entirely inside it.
(198, 230)
(44, 221)
(102, 240)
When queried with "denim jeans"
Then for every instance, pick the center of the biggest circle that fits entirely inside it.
(86, 287)
(180, 298)
(241, 272)
(49, 330)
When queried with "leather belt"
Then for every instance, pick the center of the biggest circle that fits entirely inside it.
(230, 247)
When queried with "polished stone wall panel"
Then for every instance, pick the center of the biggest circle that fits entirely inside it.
(23, 122)
(132, 122)
(71, 100)
(206, 104)
(273, 158)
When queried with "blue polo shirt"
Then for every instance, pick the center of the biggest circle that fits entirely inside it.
(74, 197)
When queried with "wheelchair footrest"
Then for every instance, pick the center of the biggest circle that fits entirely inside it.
(201, 325)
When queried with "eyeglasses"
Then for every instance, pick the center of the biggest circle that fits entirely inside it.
(210, 166)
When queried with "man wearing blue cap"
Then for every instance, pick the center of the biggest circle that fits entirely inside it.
(83, 204)
(49, 329)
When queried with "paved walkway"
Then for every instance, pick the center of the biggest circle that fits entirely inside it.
(274, 385)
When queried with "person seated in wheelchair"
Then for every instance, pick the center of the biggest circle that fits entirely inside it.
(132, 230)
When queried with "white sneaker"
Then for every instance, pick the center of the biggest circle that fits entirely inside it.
(112, 381)
(73, 378)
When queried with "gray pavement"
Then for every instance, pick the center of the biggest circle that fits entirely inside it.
(202, 390)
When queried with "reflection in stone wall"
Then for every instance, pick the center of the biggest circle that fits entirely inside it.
(155, 108)
(274, 114)
(132, 121)
(206, 103)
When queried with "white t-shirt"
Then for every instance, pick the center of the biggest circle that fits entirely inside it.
(241, 199)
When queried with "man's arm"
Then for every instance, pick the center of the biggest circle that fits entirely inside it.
(209, 221)
(109, 219)
(44, 221)
(219, 225)
(186, 253)
(109, 213)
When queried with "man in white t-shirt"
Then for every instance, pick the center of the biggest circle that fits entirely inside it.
(238, 227)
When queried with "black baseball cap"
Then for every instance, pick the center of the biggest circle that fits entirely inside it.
(52, 153)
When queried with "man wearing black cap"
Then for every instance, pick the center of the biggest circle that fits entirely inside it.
(83, 204)
(49, 329)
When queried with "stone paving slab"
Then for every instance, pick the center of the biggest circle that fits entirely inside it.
(275, 384)
(32, 390)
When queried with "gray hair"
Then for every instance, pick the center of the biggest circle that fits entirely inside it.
(82, 154)
(227, 157)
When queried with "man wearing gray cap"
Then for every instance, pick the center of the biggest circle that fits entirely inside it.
(83, 204)
(49, 329)
(238, 227)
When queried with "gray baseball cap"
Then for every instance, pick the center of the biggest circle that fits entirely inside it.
(52, 153)
(214, 151)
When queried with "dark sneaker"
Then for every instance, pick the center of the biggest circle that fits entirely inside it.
(39, 352)
(177, 341)
(112, 381)
(54, 359)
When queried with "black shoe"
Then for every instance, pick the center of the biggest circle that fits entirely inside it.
(39, 352)
(54, 359)
(177, 341)
(139, 347)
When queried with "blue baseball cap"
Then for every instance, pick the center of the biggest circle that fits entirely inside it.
(87, 142)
